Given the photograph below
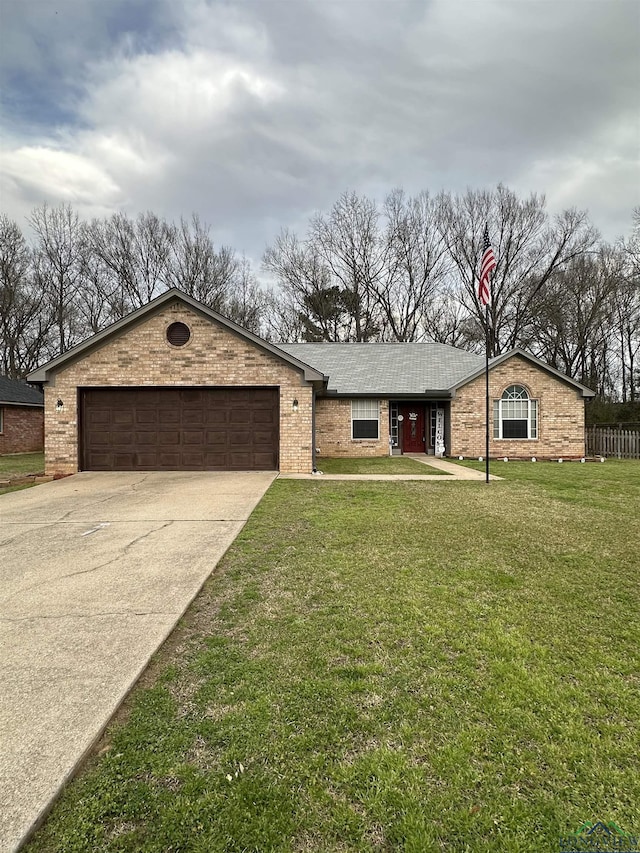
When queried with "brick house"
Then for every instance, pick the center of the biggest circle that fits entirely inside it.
(21, 417)
(177, 386)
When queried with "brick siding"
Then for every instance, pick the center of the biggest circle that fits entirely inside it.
(141, 356)
(561, 431)
(333, 430)
(22, 429)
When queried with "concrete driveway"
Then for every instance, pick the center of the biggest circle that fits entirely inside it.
(95, 571)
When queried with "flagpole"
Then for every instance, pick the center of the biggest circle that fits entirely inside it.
(487, 265)
(486, 401)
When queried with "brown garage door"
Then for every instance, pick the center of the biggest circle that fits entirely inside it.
(179, 429)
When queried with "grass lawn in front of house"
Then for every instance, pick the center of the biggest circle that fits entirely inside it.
(6, 489)
(375, 666)
(376, 465)
(17, 464)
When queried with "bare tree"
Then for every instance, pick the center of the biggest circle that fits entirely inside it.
(447, 321)
(574, 315)
(136, 253)
(417, 265)
(196, 268)
(246, 303)
(309, 295)
(24, 327)
(529, 247)
(57, 263)
(628, 312)
(349, 244)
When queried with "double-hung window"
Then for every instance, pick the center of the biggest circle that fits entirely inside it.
(365, 419)
(515, 414)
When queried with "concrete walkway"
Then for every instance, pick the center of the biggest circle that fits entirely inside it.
(457, 472)
(95, 571)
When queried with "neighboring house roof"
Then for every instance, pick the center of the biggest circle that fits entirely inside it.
(43, 373)
(404, 369)
(392, 369)
(16, 392)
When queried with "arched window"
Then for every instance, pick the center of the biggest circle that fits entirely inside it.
(515, 414)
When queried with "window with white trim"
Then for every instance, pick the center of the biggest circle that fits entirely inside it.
(1, 418)
(515, 414)
(365, 419)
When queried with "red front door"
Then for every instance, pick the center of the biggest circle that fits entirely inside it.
(413, 434)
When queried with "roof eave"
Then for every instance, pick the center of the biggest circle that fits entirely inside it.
(494, 362)
(404, 395)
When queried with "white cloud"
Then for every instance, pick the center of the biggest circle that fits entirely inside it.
(59, 175)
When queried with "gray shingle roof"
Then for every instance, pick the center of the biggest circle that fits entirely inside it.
(387, 369)
(16, 391)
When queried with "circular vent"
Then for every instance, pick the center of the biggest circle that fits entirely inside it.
(178, 334)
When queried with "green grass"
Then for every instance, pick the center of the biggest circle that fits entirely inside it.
(412, 666)
(16, 464)
(6, 489)
(376, 465)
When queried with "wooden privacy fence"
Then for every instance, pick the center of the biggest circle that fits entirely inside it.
(614, 442)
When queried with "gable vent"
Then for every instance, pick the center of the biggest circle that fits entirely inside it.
(178, 334)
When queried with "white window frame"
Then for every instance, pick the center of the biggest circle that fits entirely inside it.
(365, 410)
(515, 404)
(1, 420)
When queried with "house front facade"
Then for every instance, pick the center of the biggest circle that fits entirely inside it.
(176, 386)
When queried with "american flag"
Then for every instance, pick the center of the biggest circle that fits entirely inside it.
(487, 265)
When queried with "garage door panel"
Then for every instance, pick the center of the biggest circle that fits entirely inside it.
(123, 461)
(168, 438)
(147, 459)
(263, 416)
(216, 461)
(216, 438)
(193, 418)
(261, 461)
(240, 461)
(180, 428)
(192, 461)
(262, 437)
(166, 461)
(190, 436)
(146, 438)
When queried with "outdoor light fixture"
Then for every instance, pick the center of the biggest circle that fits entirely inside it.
(59, 406)
(295, 405)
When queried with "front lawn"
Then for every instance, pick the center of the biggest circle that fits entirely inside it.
(376, 465)
(376, 666)
(17, 464)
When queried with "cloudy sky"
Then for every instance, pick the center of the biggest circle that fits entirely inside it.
(256, 113)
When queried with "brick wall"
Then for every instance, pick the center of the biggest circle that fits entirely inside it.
(333, 430)
(141, 356)
(22, 429)
(560, 415)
